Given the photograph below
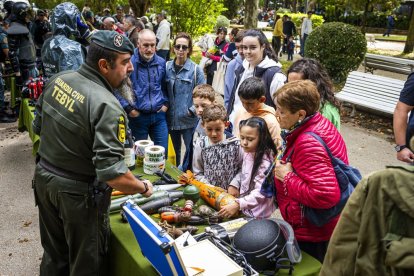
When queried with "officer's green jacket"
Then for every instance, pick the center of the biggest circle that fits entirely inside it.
(85, 125)
(375, 234)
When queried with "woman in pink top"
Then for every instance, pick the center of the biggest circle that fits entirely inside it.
(221, 45)
(259, 151)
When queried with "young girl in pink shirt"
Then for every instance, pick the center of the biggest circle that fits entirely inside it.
(259, 152)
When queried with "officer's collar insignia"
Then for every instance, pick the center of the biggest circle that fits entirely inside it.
(118, 40)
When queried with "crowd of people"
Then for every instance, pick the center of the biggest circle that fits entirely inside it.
(124, 79)
(49, 41)
(284, 32)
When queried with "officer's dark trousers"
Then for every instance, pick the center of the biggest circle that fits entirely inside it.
(73, 231)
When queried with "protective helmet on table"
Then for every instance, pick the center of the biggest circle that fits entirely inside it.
(266, 243)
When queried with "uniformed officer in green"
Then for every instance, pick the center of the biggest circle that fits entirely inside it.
(82, 131)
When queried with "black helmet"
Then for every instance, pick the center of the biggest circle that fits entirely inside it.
(8, 5)
(21, 10)
(266, 243)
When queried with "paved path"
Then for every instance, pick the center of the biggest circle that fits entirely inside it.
(377, 45)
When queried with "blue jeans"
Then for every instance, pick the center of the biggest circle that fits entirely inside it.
(302, 44)
(176, 135)
(152, 124)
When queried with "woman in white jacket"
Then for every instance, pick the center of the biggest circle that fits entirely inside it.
(260, 61)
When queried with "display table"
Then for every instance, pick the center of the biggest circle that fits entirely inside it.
(26, 117)
(15, 94)
(126, 258)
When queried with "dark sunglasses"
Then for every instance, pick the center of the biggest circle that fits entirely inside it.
(183, 47)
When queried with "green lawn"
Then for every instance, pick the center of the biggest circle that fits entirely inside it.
(392, 53)
(391, 37)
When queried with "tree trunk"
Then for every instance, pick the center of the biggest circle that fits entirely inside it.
(139, 7)
(364, 17)
(409, 44)
(294, 6)
(250, 14)
(266, 5)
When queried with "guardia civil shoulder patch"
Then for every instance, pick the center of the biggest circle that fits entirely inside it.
(121, 129)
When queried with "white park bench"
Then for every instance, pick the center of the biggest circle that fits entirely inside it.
(387, 63)
(371, 91)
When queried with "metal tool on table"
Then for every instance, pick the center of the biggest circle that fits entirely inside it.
(152, 206)
(139, 199)
(166, 177)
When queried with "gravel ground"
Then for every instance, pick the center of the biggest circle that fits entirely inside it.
(19, 229)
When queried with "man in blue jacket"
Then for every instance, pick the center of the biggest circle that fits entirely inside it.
(147, 109)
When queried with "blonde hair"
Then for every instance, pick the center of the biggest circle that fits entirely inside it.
(204, 91)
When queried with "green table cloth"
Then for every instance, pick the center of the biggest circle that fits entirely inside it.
(126, 258)
(26, 117)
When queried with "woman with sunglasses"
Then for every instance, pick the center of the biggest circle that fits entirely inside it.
(182, 76)
(221, 46)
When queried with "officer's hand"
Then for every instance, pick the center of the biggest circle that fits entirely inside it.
(150, 188)
(17, 74)
(406, 155)
(134, 113)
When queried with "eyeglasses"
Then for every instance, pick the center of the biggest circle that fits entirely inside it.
(179, 46)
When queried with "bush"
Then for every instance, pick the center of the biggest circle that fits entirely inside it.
(338, 46)
(317, 20)
(222, 21)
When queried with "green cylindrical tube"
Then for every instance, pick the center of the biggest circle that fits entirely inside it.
(138, 199)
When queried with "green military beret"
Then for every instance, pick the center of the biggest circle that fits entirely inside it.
(113, 41)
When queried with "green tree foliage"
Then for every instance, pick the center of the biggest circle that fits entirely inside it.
(222, 21)
(317, 20)
(96, 6)
(233, 7)
(191, 16)
(361, 4)
(338, 46)
(338, 6)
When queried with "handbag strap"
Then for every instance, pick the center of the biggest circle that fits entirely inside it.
(195, 74)
(317, 137)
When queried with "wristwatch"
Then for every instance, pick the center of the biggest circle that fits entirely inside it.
(399, 148)
(146, 187)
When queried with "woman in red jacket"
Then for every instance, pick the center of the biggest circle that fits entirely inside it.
(304, 174)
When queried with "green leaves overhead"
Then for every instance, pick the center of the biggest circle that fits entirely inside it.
(195, 17)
